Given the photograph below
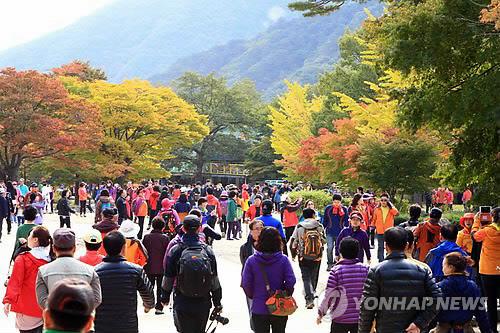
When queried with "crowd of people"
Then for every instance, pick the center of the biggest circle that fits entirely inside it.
(159, 242)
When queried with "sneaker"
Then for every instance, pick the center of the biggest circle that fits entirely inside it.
(372, 246)
(329, 268)
(223, 235)
(158, 312)
(310, 305)
(230, 239)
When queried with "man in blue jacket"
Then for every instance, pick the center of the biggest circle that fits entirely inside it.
(270, 221)
(334, 220)
(434, 258)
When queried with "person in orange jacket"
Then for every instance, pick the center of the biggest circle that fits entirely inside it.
(464, 239)
(428, 234)
(383, 219)
(135, 252)
(489, 264)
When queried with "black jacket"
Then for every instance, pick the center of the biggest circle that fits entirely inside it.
(120, 282)
(63, 208)
(122, 208)
(393, 279)
(246, 250)
(4, 207)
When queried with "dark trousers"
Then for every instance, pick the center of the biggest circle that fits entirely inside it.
(140, 220)
(157, 279)
(380, 247)
(310, 273)
(491, 288)
(269, 323)
(371, 232)
(35, 330)
(152, 215)
(64, 220)
(223, 224)
(343, 328)
(83, 207)
(188, 322)
(289, 232)
(89, 206)
(231, 229)
(9, 224)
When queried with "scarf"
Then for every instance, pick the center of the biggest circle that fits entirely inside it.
(338, 211)
(41, 252)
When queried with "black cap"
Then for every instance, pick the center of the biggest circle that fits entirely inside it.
(72, 297)
(436, 213)
(267, 207)
(110, 212)
(191, 222)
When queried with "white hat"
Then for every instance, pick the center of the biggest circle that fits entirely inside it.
(129, 229)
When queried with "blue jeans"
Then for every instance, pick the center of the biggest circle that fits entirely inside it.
(380, 248)
(330, 247)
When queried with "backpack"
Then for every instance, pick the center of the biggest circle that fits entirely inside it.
(195, 272)
(169, 218)
(106, 205)
(313, 247)
(239, 213)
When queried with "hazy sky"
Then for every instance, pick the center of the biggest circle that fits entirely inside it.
(24, 20)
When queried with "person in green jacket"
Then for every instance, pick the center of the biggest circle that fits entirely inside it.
(69, 307)
(24, 230)
(231, 216)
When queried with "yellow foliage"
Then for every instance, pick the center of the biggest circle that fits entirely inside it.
(291, 124)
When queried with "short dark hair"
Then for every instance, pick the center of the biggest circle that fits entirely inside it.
(196, 212)
(202, 200)
(113, 243)
(269, 240)
(104, 193)
(336, 196)
(210, 190)
(30, 213)
(395, 238)
(254, 222)
(70, 322)
(457, 260)
(232, 194)
(349, 248)
(158, 223)
(308, 213)
(449, 232)
(415, 211)
(64, 193)
(410, 238)
(92, 246)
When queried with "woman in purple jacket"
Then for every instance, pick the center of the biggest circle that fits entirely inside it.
(268, 259)
(344, 289)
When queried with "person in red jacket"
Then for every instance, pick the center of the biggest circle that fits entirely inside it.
(212, 201)
(153, 204)
(289, 215)
(255, 210)
(20, 296)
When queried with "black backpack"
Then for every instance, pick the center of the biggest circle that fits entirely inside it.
(195, 271)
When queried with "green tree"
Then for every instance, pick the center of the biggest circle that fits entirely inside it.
(398, 166)
(317, 7)
(260, 160)
(453, 64)
(232, 112)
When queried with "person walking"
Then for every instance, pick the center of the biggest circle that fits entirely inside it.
(24, 230)
(5, 212)
(335, 219)
(457, 286)
(121, 205)
(156, 243)
(489, 260)
(182, 206)
(64, 210)
(267, 267)
(466, 198)
(307, 242)
(428, 234)
(289, 216)
(412, 223)
(106, 225)
(464, 238)
(355, 231)
(193, 267)
(93, 242)
(383, 219)
(248, 249)
(135, 252)
(348, 275)
(269, 221)
(231, 216)
(82, 198)
(140, 208)
(104, 201)
(391, 279)
(20, 295)
(120, 282)
(65, 266)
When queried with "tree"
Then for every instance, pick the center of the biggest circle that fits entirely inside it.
(402, 165)
(491, 14)
(232, 113)
(260, 160)
(39, 119)
(82, 70)
(317, 7)
(141, 124)
(291, 123)
(453, 65)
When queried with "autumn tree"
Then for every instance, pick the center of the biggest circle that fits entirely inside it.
(233, 113)
(141, 124)
(38, 119)
(291, 123)
(80, 69)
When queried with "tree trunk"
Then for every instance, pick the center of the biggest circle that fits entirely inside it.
(11, 172)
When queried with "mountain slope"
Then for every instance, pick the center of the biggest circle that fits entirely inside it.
(138, 38)
(297, 50)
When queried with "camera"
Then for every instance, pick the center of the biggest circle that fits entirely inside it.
(485, 214)
(215, 316)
